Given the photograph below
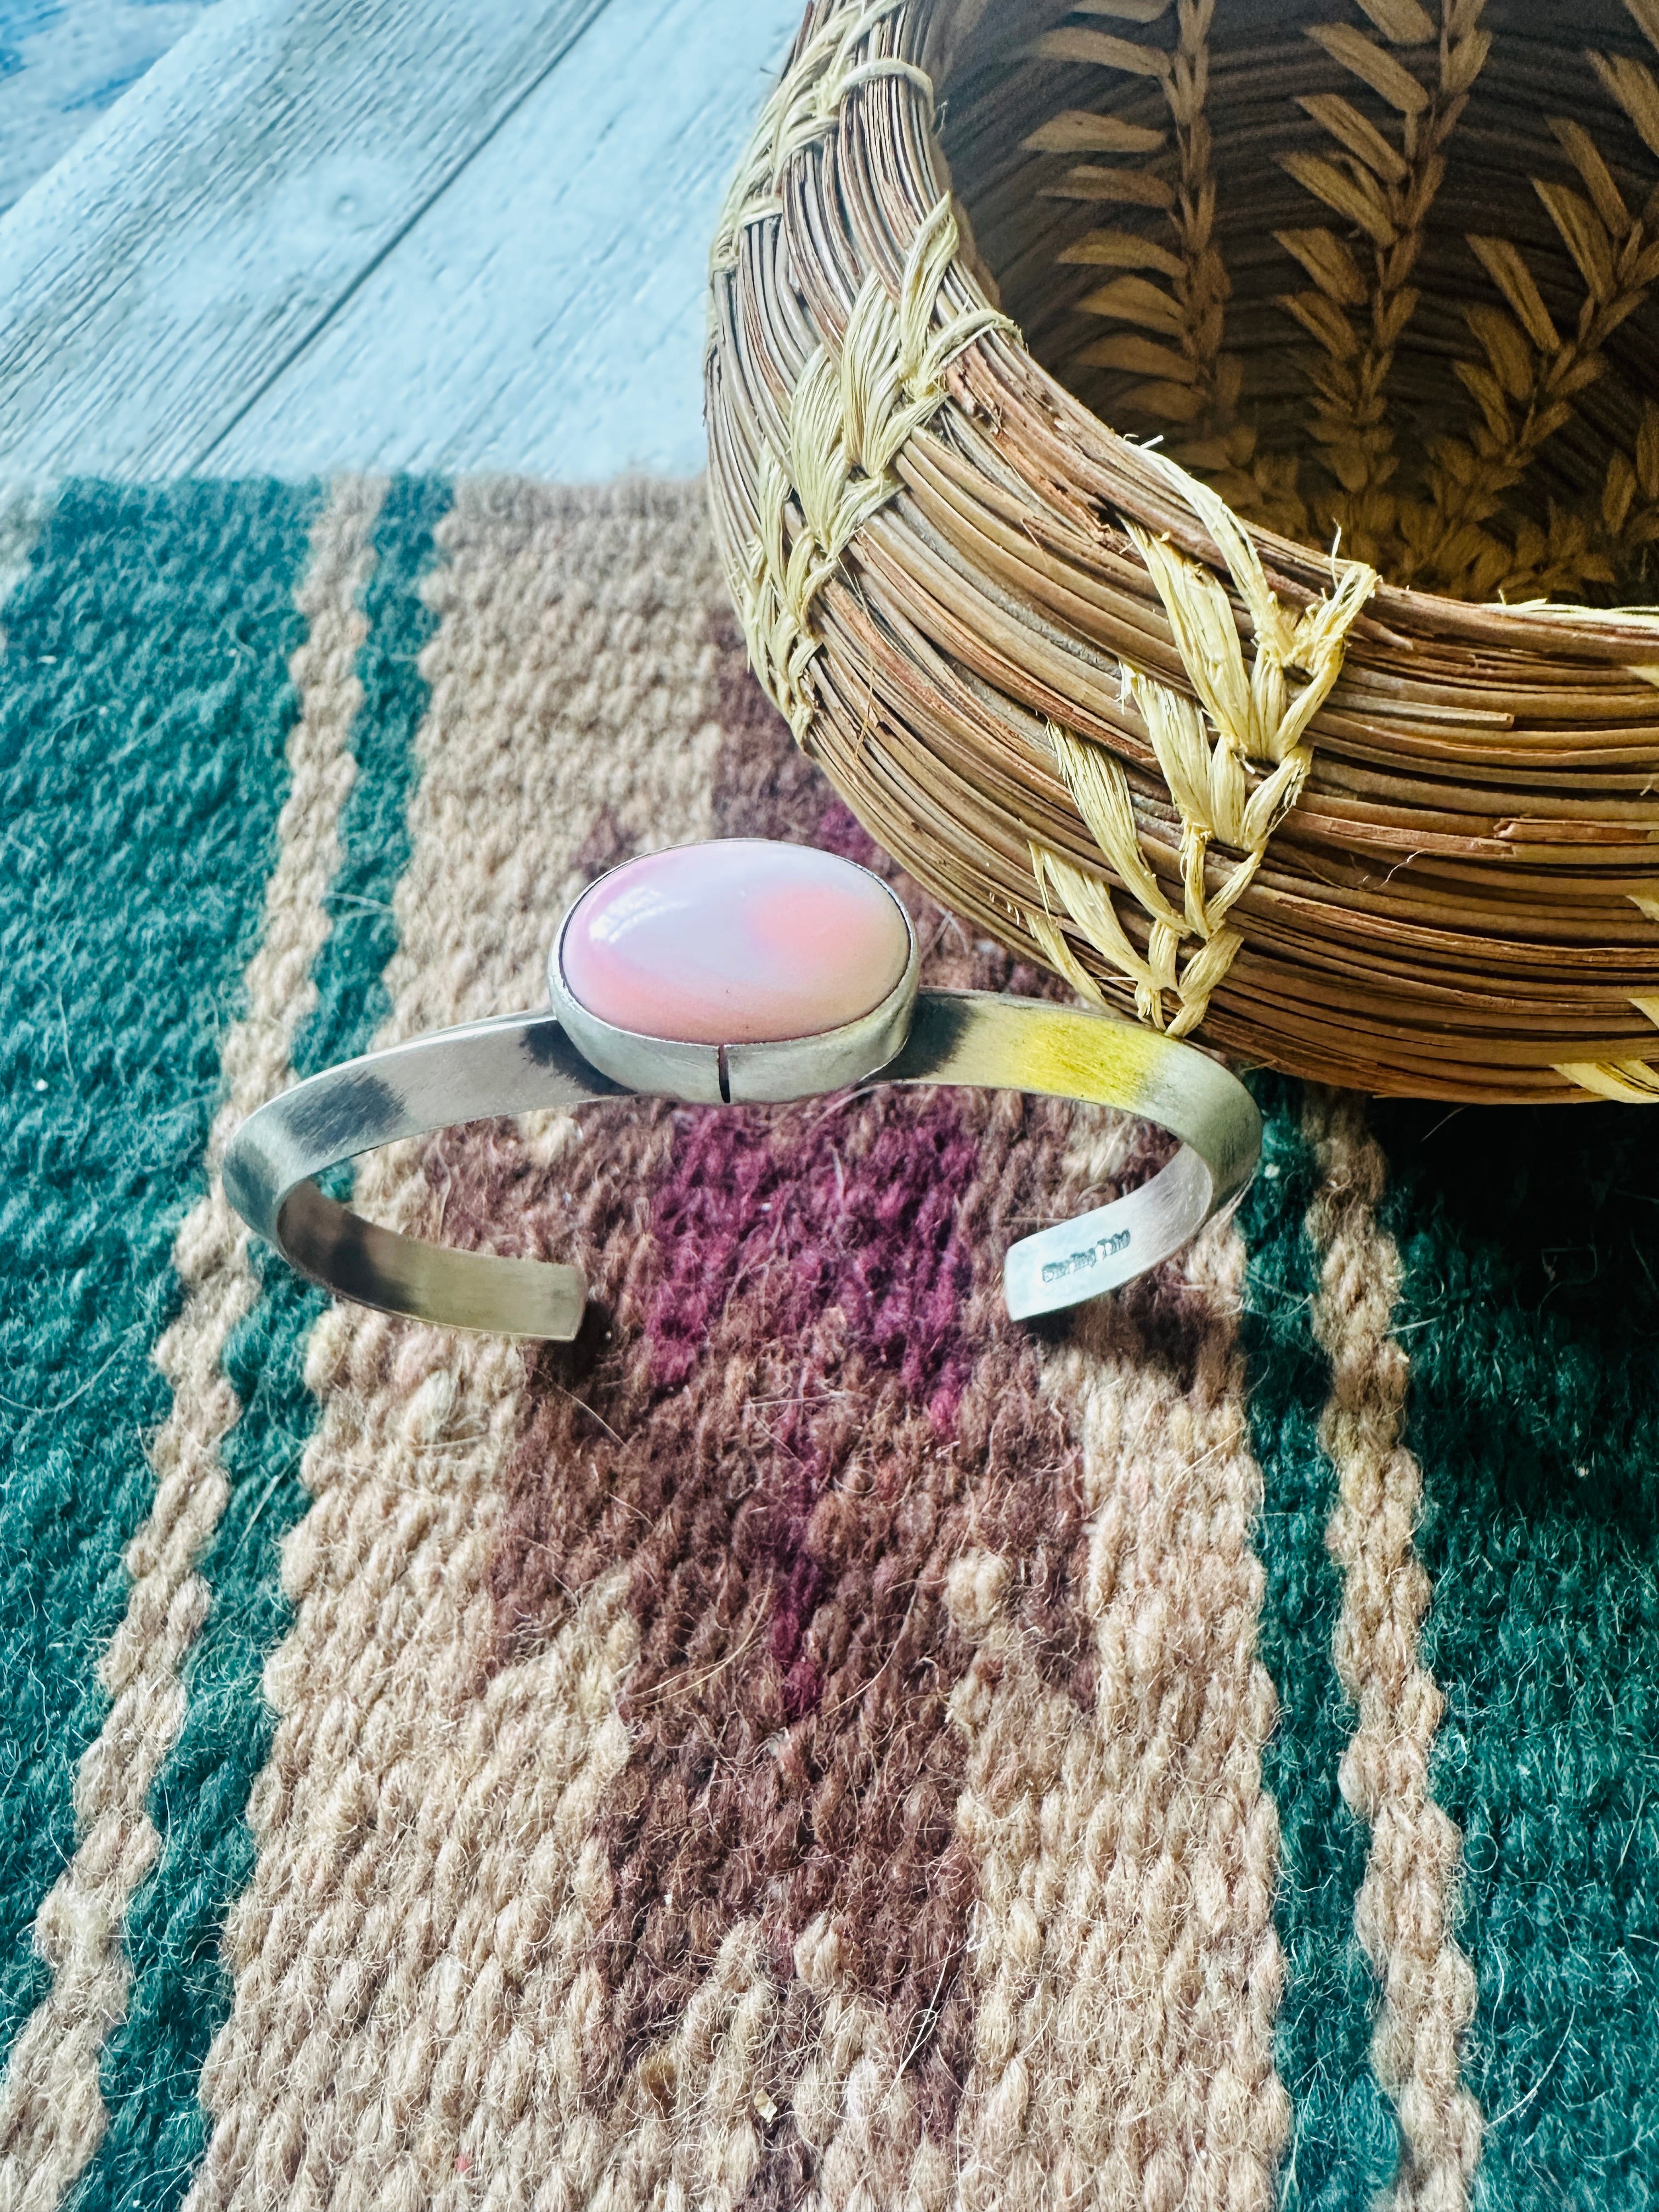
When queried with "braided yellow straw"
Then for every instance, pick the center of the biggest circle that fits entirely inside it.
(1231, 789)
(849, 418)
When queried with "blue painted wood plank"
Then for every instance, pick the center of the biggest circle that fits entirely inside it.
(547, 314)
(161, 277)
(63, 63)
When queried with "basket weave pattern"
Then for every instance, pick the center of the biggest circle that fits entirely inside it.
(1259, 788)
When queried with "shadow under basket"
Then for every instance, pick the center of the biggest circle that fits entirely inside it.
(1310, 710)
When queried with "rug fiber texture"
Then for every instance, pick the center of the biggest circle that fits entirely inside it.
(810, 1743)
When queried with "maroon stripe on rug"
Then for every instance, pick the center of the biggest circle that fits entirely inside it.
(802, 1404)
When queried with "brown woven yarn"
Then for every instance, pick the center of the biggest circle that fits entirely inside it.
(1304, 710)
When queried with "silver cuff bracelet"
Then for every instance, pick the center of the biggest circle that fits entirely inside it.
(691, 974)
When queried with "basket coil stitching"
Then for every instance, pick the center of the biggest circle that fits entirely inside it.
(1261, 722)
(849, 417)
(804, 107)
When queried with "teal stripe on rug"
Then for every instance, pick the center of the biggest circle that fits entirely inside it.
(181, 1993)
(1532, 1309)
(1344, 2141)
(144, 709)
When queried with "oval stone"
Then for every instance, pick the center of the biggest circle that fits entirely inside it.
(738, 941)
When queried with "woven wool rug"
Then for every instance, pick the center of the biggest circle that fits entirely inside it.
(813, 1743)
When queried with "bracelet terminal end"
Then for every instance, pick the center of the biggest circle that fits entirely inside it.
(357, 1259)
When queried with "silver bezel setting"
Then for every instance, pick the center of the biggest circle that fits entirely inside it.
(742, 1074)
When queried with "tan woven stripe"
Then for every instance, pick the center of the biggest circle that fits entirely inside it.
(684, 2129)
(52, 2113)
(1126, 1964)
(51, 2117)
(23, 512)
(403, 2019)
(1403, 1914)
(855, 2104)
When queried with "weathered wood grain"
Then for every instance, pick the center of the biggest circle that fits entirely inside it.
(63, 63)
(164, 274)
(546, 315)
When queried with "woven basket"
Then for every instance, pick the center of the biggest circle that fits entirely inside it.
(1296, 712)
